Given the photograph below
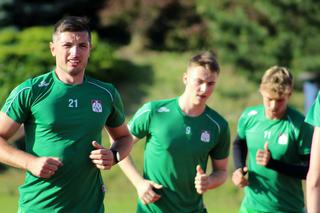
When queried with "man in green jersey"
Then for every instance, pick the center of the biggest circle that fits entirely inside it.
(64, 112)
(277, 142)
(181, 133)
(313, 178)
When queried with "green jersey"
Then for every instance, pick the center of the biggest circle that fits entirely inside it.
(175, 145)
(61, 121)
(313, 116)
(288, 138)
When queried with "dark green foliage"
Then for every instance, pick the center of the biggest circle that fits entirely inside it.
(178, 27)
(163, 24)
(22, 55)
(24, 13)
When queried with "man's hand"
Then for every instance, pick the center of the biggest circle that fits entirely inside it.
(101, 157)
(201, 181)
(146, 193)
(44, 167)
(263, 156)
(238, 177)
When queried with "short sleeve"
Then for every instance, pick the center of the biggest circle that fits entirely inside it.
(18, 103)
(140, 123)
(117, 116)
(305, 138)
(313, 116)
(222, 149)
(241, 128)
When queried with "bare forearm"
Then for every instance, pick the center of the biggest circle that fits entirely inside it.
(14, 157)
(123, 145)
(130, 170)
(313, 176)
(313, 194)
(217, 178)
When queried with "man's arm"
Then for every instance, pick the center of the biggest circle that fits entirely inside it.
(313, 177)
(121, 144)
(42, 167)
(219, 173)
(145, 188)
(240, 151)
(217, 177)
(122, 140)
(264, 158)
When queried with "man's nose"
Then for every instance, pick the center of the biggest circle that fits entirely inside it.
(203, 87)
(74, 50)
(273, 105)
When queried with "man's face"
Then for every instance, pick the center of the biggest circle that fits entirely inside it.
(275, 105)
(71, 50)
(199, 84)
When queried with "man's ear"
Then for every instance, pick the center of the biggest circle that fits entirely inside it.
(185, 77)
(91, 48)
(52, 48)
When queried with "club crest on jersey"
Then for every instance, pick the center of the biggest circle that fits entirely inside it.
(96, 105)
(205, 136)
(283, 139)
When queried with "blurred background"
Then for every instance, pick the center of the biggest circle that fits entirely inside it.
(142, 46)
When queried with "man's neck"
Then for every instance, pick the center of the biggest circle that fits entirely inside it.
(189, 108)
(68, 78)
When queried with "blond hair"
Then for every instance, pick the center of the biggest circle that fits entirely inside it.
(277, 80)
(206, 60)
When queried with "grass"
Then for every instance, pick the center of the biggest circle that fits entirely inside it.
(163, 71)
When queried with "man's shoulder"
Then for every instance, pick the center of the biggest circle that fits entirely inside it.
(162, 104)
(295, 116)
(99, 84)
(41, 81)
(253, 111)
(213, 114)
(33, 83)
(102, 86)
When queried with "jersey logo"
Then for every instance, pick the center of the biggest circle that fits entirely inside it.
(283, 139)
(96, 105)
(205, 136)
(43, 84)
(163, 109)
(252, 113)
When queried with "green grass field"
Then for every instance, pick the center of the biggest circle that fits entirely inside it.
(164, 73)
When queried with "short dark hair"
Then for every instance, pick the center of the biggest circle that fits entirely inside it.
(72, 24)
(207, 60)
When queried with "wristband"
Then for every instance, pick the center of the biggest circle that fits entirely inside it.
(116, 156)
